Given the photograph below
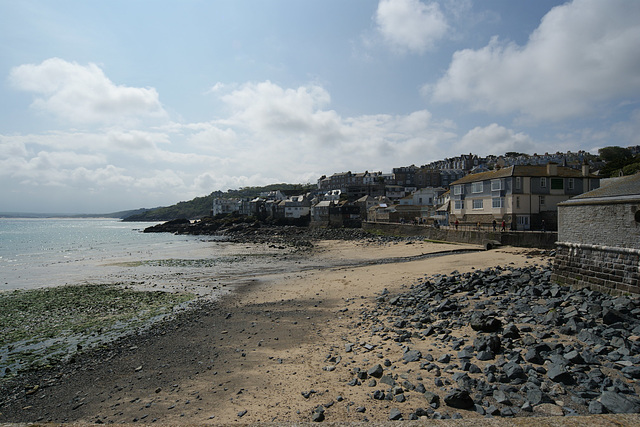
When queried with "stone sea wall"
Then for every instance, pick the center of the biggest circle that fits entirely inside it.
(606, 269)
(607, 224)
(529, 239)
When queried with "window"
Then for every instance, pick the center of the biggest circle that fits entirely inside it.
(477, 203)
(570, 184)
(458, 205)
(542, 201)
(518, 183)
(518, 202)
(543, 182)
(557, 184)
(496, 185)
(458, 190)
(476, 187)
(497, 202)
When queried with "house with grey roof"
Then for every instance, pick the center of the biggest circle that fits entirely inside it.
(525, 197)
(599, 238)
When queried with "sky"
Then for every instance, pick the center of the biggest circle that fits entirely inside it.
(122, 104)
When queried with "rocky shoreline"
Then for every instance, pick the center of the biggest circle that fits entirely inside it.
(501, 341)
(241, 230)
(537, 345)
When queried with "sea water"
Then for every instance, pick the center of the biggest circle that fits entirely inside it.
(50, 252)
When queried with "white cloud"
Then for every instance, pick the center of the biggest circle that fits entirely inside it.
(267, 106)
(494, 139)
(83, 95)
(411, 25)
(135, 140)
(290, 133)
(583, 54)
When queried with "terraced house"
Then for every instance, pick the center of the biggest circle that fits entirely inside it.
(525, 197)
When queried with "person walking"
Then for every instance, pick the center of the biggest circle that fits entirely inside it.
(495, 224)
(504, 224)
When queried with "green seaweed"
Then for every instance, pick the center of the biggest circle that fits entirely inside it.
(39, 325)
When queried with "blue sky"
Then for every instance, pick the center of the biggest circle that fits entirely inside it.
(113, 105)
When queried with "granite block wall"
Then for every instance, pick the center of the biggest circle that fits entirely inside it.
(613, 224)
(607, 269)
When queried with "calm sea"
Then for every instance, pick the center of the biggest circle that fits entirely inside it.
(51, 252)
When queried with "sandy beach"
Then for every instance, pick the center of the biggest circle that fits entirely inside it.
(277, 347)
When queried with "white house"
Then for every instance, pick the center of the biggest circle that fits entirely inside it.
(225, 206)
(297, 207)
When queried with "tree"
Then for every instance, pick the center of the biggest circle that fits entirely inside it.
(616, 159)
(613, 154)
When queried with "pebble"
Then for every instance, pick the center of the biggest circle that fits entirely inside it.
(547, 342)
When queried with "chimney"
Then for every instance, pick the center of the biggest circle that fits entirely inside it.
(552, 169)
(585, 169)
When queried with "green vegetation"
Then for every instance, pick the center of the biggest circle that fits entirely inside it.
(618, 160)
(200, 207)
(42, 325)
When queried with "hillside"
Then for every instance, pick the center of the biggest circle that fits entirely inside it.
(200, 207)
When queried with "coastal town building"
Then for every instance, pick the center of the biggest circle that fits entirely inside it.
(525, 197)
(225, 206)
(297, 206)
(599, 238)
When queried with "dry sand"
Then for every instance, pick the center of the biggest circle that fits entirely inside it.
(255, 356)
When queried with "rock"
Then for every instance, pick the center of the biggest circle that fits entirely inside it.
(480, 322)
(507, 412)
(537, 396)
(445, 358)
(459, 399)
(412, 356)
(376, 371)
(487, 343)
(395, 414)
(617, 403)
(493, 410)
(574, 357)
(610, 316)
(558, 373)
(532, 356)
(485, 355)
(513, 371)
(432, 399)
(511, 331)
(527, 407)
(465, 354)
(631, 372)
(596, 408)
(388, 380)
(501, 397)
